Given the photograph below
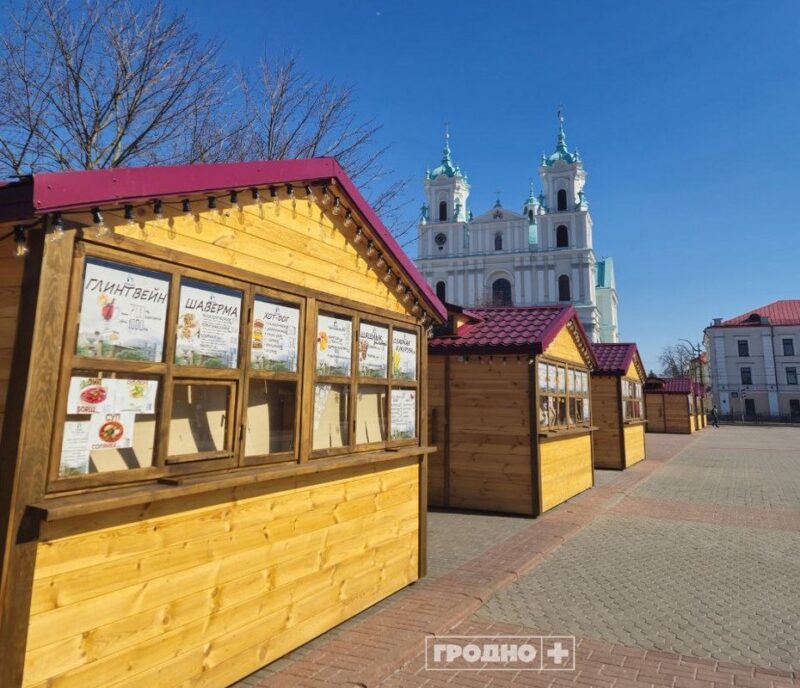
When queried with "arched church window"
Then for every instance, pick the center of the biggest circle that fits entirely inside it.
(501, 292)
(443, 211)
(498, 242)
(562, 199)
(441, 291)
(530, 216)
(562, 237)
(563, 288)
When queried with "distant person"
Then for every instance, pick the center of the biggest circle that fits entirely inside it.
(713, 417)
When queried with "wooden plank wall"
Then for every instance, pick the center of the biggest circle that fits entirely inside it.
(436, 429)
(10, 294)
(676, 414)
(566, 466)
(204, 591)
(606, 410)
(297, 243)
(655, 410)
(634, 444)
(490, 454)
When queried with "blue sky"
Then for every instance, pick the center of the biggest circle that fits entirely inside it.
(685, 113)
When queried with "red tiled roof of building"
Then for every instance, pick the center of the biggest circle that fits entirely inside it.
(784, 312)
(508, 329)
(613, 359)
(670, 385)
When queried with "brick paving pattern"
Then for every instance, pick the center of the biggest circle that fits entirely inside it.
(689, 553)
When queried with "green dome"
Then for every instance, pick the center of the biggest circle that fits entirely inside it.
(561, 152)
(447, 168)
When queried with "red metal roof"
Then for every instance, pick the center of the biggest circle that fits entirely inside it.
(671, 385)
(784, 312)
(49, 192)
(613, 359)
(508, 329)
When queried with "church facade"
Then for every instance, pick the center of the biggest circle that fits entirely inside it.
(540, 255)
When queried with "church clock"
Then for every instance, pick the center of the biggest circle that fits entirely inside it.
(440, 239)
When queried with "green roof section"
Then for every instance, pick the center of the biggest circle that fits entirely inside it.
(605, 274)
(447, 167)
(561, 152)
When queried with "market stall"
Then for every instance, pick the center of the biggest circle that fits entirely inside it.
(214, 441)
(510, 409)
(618, 406)
(670, 405)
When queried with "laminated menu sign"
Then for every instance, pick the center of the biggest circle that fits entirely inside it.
(208, 325)
(123, 312)
(404, 355)
(75, 449)
(373, 350)
(334, 337)
(274, 338)
(111, 430)
(404, 414)
(111, 395)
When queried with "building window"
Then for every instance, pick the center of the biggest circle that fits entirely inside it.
(443, 211)
(744, 347)
(530, 216)
(501, 292)
(563, 395)
(788, 347)
(791, 376)
(498, 242)
(563, 288)
(747, 376)
(562, 199)
(562, 236)
(441, 290)
(794, 408)
(632, 400)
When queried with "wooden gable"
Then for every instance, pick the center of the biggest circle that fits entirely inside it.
(568, 346)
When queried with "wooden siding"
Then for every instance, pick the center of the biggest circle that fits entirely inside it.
(10, 294)
(489, 442)
(634, 444)
(676, 413)
(436, 430)
(563, 347)
(633, 372)
(204, 591)
(606, 411)
(566, 466)
(298, 245)
(654, 408)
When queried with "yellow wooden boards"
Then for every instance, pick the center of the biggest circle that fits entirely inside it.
(566, 466)
(634, 444)
(203, 596)
(633, 372)
(564, 348)
(289, 240)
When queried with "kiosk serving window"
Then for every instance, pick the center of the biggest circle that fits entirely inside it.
(170, 370)
(632, 399)
(563, 395)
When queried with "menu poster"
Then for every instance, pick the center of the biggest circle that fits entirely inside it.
(74, 449)
(135, 396)
(274, 339)
(404, 414)
(334, 337)
(208, 325)
(123, 312)
(111, 431)
(91, 395)
(404, 355)
(373, 350)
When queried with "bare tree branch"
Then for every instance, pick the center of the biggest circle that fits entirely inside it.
(676, 361)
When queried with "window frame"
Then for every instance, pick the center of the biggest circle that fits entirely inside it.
(746, 343)
(749, 370)
(565, 366)
(627, 399)
(793, 369)
(790, 342)
(175, 266)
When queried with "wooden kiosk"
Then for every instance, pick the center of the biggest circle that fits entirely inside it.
(618, 406)
(509, 409)
(214, 443)
(670, 405)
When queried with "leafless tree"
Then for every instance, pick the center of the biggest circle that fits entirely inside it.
(676, 361)
(102, 84)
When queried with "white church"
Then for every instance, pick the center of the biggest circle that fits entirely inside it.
(541, 256)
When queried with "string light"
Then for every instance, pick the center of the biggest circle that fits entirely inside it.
(20, 242)
(290, 194)
(400, 287)
(235, 199)
(424, 320)
(212, 203)
(370, 249)
(256, 194)
(348, 219)
(308, 191)
(380, 262)
(273, 192)
(58, 228)
(337, 206)
(359, 235)
(129, 216)
(158, 209)
(388, 276)
(327, 199)
(186, 206)
(97, 221)
(408, 296)
(415, 308)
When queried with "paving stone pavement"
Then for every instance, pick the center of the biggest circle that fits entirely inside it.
(651, 564)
